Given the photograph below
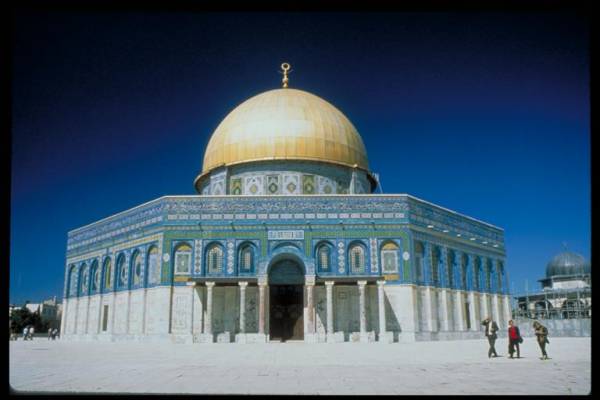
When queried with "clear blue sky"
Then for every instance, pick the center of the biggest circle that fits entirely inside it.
(485, 114)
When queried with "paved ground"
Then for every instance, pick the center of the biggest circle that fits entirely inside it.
(458, 367)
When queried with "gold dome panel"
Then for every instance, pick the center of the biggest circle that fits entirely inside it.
(285, 124)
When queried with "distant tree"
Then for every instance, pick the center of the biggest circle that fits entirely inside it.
(22, 317)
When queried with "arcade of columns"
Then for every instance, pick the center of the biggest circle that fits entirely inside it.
(476, 311)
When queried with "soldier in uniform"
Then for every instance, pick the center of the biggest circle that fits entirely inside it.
(542, 338)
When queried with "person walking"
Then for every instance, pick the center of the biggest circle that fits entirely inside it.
(514, 339)
(49, 333)
(31, 332)
(542, 338)
(491, 327)
(25, 332)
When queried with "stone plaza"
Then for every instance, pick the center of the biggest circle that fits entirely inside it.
(425, 367)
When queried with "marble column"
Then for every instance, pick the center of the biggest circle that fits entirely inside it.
(329, 290)
(243, 286)
(75, 322)
(310, 305)
(496, 312)
(472, 312)
(113, 310)
(144, 312)
(192, 286)
(100, 307)
(381, 306)
(262, 286)
(459, 307)
(430, 302)
(488, 305)
(362, 309)
(128, 313)
(445, 312)
(444, 272)
(63, 317)
(507, 310)
(209, 304)
(87, 314)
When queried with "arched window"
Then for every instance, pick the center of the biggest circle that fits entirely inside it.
(95, 272)
(572, 308)
(324, 257)
(488, 274)
(464, 261)
(84, 280)
(477, 273)
(450, 266)
(123, 271)
(107, 273)
(73, 281)
(389, 258)
(419, 255)
(153, 266)
(435, 261)
(214, 259)
(357, 259)
(500, 272)
(183, 259)
(136, 265)
(246, 258)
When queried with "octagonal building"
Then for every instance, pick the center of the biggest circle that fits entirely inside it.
(285, 240)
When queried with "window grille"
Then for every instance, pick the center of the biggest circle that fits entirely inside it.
(357, 259)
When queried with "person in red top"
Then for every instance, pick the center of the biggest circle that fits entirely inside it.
(514, 338)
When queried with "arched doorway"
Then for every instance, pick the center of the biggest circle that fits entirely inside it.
(286, 289)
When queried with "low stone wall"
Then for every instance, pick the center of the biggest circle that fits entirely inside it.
(557, 327)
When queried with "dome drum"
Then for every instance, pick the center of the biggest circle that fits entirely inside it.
(288, 177)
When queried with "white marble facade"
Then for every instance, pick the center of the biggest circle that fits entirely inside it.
(179, 314)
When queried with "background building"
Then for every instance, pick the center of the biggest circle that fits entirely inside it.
(285, 241)
(566, 291)
(50, 312)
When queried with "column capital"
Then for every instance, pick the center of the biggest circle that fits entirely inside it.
(263, 281)
(243, 284)
(309, 280)
(380, 283)
(361, 283)
(209, 284)
(329, 283)
(190, 283)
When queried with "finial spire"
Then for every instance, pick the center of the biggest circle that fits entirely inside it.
(285, 67)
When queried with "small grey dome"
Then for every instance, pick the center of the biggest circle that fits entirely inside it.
(568, 263)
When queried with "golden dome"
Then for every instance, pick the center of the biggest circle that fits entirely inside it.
(285, 124)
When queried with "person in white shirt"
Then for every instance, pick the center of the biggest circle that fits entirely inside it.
(491, 327)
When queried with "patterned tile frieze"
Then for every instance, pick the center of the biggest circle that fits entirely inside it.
(133, 243)
(196, 208)
(87, 256)
(455, 244)
(73, 244)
